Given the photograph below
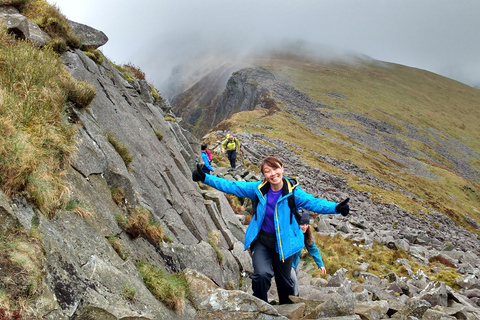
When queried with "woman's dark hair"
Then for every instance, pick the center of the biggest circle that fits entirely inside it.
(203, 146)
(271, 161)
(308, 236)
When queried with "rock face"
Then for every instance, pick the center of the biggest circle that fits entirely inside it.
(85, 276)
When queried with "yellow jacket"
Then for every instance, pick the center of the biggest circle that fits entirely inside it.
(230, 145)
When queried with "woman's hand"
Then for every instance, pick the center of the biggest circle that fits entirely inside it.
(323, 270)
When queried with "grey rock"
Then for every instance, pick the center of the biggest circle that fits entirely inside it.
(90, 37)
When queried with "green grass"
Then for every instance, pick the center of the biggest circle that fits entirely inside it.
(121, 148)
(35, 140)
(171, 289)
(129, 292)
(22, 270)
(213, 238)
(78, 207)
(338, 253)
(139, 222)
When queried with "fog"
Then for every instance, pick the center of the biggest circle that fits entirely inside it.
(441, 36)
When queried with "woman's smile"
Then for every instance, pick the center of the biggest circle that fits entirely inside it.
(274, 176)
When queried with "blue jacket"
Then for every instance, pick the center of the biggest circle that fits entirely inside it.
(206, 161)
(289, 235)
(314, 252)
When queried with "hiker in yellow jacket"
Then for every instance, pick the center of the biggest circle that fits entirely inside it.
(231, 145)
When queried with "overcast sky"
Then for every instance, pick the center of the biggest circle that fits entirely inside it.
(442, 36)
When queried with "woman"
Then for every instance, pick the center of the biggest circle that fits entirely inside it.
(272, 235)
(207, 168)
(311, 248)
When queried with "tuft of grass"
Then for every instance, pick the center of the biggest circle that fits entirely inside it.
(139, 223)
(22, 264)
(117, 246)
(442, 260)
(449, 276)
(171, 289)
(35, 140)
(95, 55)
(159, 135)
(129, 76)
(170, 119)
(118, 196)
(154, 93)
(121, 148)
(213, 238)
(129, 292)
(74, 205)
(80, 93)
(136, 71)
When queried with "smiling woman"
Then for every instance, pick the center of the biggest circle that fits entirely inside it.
(272, 235)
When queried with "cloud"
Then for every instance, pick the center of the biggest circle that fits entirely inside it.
(437, 35)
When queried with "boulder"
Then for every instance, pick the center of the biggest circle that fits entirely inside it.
(90, 37)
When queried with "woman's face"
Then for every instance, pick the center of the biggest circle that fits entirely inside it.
(273, 175)
(304, 227)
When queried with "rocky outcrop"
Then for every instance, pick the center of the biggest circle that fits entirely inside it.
(90, 37)
(22, 27)
(85, 275)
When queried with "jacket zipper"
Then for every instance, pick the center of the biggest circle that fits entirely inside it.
(278, 231)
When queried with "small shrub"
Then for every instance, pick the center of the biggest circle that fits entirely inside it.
(122, 220)
(118, 196)
(82, 94)
(129, 292)
(59, 45)
(129, 76)
(170, 118)
(213, 238)
(442, 260)
(230, 285)
(136, 71)
(154, 93)
(120, 148)
(79, 208)
(159, 135)
(171, 289)
(140, 223)
(95, 55)
(22, 264)
(449, 276)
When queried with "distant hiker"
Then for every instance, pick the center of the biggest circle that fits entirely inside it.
(207, 168)
(273, 235)
(209, 154)
(311, 248)
(231, 145)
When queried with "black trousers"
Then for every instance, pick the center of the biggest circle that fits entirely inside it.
(232, 156)
(266, 264)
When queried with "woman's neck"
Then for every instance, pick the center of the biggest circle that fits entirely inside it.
(277, 187)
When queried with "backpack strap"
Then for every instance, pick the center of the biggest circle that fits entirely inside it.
(291, 205)
(255, 202)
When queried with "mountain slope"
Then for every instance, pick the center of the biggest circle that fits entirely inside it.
(410, 128)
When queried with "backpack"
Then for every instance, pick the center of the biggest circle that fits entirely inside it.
(291, 205)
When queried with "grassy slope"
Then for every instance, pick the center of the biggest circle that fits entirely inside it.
(415, 96)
